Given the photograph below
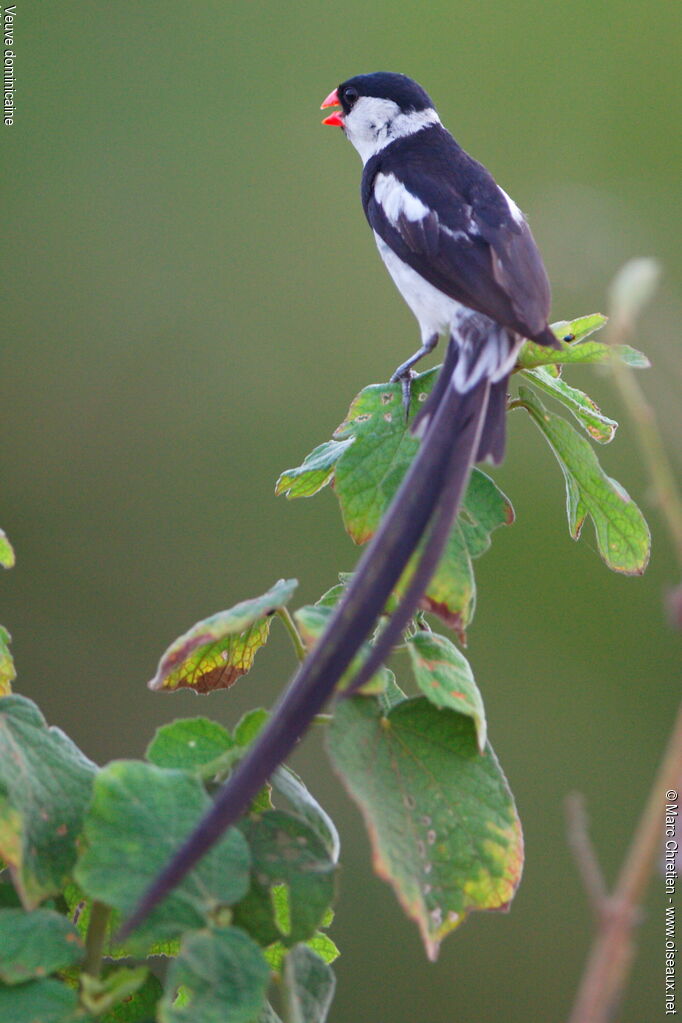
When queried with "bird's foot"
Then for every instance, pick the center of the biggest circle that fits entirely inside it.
(405, 378)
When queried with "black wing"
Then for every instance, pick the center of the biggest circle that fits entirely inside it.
(469, 245)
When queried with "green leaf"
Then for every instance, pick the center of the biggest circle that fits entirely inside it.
(38, 1001)
(8, 896)
(215, 652)
(308, 986)
(45, 785)
(392, 696)
(224, 977)
(320, 943)
(312, 620)
(250, 725)
(189, 743)
(586, 411)
(289, 862)
(116, 992)
(378, 449)
(80, 911)
(371, 469)
(579, 329)
(451, 593)
(442, 821)
(36, 944)
(622, 534)
(288, 784)
(368, 475)
(324, 947)
(575, 350)
(139, 1007)
(7, 670)
(332, 596)
(315, 473)
(7, 556)
(588, 353)
(445, 677)
(139, 816)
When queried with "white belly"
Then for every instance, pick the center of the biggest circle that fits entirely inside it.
(486, 349)
(436, 312)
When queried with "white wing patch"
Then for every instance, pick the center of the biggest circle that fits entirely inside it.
(396, 201)
(516, 214)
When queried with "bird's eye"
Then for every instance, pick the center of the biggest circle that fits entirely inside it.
(350, 95)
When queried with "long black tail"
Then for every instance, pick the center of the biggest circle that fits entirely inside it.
(425, 505)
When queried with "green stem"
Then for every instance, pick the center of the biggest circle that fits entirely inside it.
(294, 635)
(96, 937)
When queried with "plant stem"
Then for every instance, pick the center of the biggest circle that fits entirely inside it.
(585, 855)
(294, 635)
(95, 938)
(653, 452)
(611, 955)
(609, 961)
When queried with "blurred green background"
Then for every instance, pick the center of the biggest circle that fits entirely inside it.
(191, 299)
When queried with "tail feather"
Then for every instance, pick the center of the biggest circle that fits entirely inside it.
(472, 410)
(429, 495)
(548, 338)
(421, 421)
(494, 433)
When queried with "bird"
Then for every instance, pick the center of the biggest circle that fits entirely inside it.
(464, 259)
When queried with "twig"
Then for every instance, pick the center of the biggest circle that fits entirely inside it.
(95, 938)
(609, 961)
(584, 854)
(620, 327)
(294, 634)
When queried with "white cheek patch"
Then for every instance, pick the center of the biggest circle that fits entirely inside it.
(374, 123)
(396, 201)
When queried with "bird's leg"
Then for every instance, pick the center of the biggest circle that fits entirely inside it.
(404, 372)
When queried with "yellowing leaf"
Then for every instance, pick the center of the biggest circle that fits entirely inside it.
(215, 652)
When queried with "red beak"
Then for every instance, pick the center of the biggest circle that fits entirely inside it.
(335, 119)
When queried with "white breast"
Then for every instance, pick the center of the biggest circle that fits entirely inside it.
(436, 312)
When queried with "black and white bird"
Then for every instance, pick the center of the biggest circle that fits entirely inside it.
(457, 246)
(463, 257)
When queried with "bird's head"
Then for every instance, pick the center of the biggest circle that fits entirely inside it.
(378, 108)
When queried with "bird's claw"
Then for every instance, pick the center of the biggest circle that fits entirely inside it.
(405, 380)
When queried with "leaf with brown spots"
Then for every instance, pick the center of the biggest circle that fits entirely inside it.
(312, 620)
(622, 534)
(36, 944)
(292, 879)
(366, 461)
(440, 816)
(45, 786)
(445, 677)
(215, 652)
(598, 426)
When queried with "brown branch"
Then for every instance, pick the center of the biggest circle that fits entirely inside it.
(609, 961)
(577, 833)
